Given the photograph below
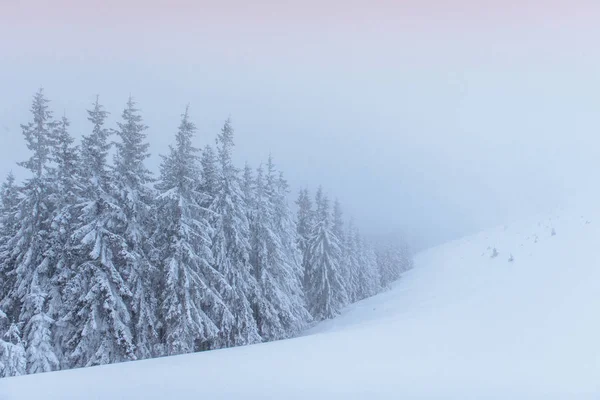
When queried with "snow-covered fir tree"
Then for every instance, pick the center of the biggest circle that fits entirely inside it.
(338, 220)
(277, 260)
(13, 361)
(231, 246)
(33, 273)
(248, 189)
(305, 220)
(134, 198)
(12, 350)
(265, 257)
(98, 321)
(393, 258)
(296, 314)
(190, 305)
(209, 174)
(9, 225)
(64, 180)
(351, 263)
(369, 278)
(325, 290)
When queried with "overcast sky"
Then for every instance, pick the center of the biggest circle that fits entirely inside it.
(437, 118)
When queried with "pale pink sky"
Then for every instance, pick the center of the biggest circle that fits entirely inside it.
(241, 30)
(458, 114)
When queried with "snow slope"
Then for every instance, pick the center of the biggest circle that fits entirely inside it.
(461, 325)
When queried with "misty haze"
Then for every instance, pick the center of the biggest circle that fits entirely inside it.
(299, 200)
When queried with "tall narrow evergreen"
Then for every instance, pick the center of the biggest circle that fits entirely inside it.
(33, 274)
(61, 257)
(393, 258)
(230, 245)
(134, 198)
(352, 264)
(94, 151)
(305, 220)
(99, 319)
(294, 314)
(12, 350)
(190, 305)
(338, 221)
(210, 177)
(13, 360)
(347, 262)
(248, 189)
(263, 256)
(369, 277)
(325, 291)
(279, 310)
(9, 225)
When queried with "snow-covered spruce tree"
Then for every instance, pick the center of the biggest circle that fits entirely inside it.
(190, 305)
(352, 264)
(98, 321)
(383, 263)
(406, 257)
(33, 274)
(348, 261)
(248, 182)
(12, 351)
(393, 258)
(265, 255)
(231, 246)
(13, 361)
(369, 278)
(325, 291)
(209, 174)
(134, 198)
(280, 310)
(294, 315)
(304, 224)
(338, 221)
(9, 225)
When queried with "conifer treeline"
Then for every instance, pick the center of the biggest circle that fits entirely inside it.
(101, 262)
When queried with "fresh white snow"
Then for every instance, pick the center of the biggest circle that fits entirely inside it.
(461, 325)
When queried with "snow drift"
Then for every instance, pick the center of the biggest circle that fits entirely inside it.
(511, 313)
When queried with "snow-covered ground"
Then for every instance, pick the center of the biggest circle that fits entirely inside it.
(461, 325)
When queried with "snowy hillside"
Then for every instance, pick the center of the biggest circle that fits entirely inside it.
(461, 325)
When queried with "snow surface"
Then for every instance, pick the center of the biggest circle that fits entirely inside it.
(461, 325)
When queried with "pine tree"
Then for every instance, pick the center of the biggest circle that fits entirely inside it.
(263, 258)
(406, 258)
(230, 245)
(33, 272)
(64, 180)
(248, 189)
(393, 258)
(134, 198)
(190, 308)
(9, 225)
(305, 220)
(348, 263)
(326, 294)
(280, 308)
(95, 149)
(352, 264)
(210, 177)
(338, 221)
(13, 360)
(369, 277)
(295, 315)
(96, 294)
